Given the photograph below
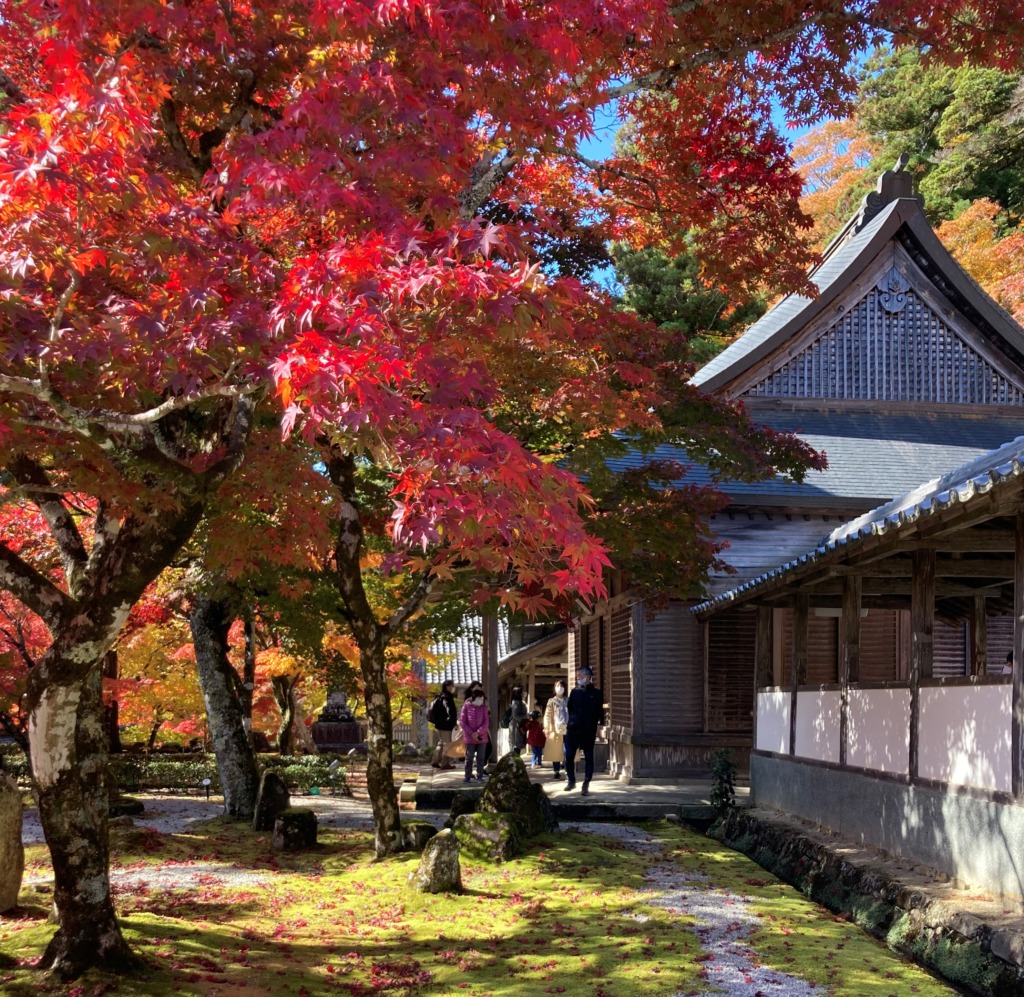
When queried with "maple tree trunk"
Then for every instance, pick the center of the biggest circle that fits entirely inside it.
(69, 756)
(111, 718)
(284, 696)
(210, 620)
(380, 776)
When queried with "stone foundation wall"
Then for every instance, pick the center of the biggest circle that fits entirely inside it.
(982, 957)
(973, 840)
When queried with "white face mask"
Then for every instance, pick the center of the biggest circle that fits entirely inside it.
(559, 690)
(479, 701)
(583, 681)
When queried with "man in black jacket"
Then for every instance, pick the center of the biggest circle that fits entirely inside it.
(586, 714)
(443, 715)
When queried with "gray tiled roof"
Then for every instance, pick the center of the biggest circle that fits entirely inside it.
(966, 484)
(461, 660)
(872, 456)
(757, 341)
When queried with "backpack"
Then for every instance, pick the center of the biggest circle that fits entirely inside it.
(438, 711)
(506, 718)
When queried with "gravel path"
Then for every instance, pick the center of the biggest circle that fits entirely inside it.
(174, 815)
(724, 923)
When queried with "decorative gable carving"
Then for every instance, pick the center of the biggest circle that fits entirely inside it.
(898, 342)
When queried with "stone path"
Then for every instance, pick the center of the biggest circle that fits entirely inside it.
(724, 922)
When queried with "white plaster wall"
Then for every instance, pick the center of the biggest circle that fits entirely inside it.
(879, 730)
(817, 725)
(773, 721)
(964, 735)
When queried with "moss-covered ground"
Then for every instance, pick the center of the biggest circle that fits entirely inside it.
(569, 917)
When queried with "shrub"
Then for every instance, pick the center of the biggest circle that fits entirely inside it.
(723, 782)
(304, 772)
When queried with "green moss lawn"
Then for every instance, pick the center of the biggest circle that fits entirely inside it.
(571, 917)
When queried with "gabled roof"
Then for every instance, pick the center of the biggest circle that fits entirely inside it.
(877, 224)
(967, 485)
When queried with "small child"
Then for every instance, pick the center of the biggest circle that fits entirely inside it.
(534, 738)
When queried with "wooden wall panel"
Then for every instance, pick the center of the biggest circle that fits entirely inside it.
(620, 694)
(732, 638)
(672, 660)
(879, 646)
(951, 652)
(822, 649)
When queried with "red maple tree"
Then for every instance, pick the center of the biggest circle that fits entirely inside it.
(200, 202)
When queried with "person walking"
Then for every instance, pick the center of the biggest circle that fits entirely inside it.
(516, 734)
(586, 714)
(444, 715)
(535, 738)
(556, 722)
(475, 720)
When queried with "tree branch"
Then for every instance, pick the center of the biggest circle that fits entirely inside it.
(341, 469)
(32, 589)
(199, 164)
(15, 95)
(485, 177)
(34, 483)
(412, 604)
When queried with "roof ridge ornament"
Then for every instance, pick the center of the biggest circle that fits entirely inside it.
(891, 186)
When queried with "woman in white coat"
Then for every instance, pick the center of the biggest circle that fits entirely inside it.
(556, 721)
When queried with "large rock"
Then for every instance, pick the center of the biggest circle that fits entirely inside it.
(489, 837)
(541, 815)
(273, 798)
(439, 870)
(12, 852)
(294, 829)
(509, 791)
(463, 802)
(126, 806)
(416, 834)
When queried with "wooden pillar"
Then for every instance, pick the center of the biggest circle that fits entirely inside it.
(1017, 678)
(705, 716)
(531, 686)
(922, 622)
(801, 623)
(979, 637)
(489, 670)
(849, 654)
(762, 658)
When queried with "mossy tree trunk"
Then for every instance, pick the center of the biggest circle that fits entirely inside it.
(210, 620)
(372, 638)
(71, 789)
(67, 734)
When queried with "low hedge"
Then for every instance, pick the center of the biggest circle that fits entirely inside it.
(135, 773)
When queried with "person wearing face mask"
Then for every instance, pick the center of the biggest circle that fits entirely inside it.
(475, 721)
(477, 687)
(556, 722)
(586, 714)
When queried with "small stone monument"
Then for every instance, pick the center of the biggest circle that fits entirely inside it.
(12, 851)
(272, 799)
(335, 729)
